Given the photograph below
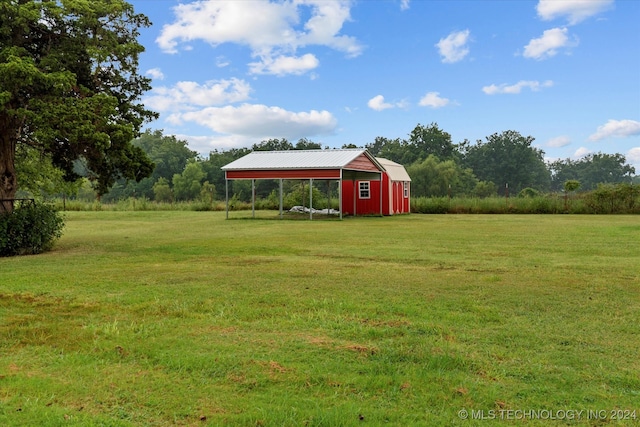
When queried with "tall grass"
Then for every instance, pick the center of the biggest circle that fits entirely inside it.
(611, 199)
(545, 204)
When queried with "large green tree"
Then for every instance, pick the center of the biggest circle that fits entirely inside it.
(188, 184)
(425, 141)
(509, 159)
(434, 178)
(70, 89)
(591, 170)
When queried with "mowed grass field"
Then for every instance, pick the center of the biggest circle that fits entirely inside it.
(188, 319)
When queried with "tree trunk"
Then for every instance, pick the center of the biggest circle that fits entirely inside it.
(8, 177)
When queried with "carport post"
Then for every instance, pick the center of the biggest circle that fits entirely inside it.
(340, 194)
(310, 198)
(328, 197)
(280, 198)
(253, 198)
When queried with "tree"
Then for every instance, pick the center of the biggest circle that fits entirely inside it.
(571, 185)
(429, 140)
(592, 170)
(39, 177)
(434, 178)
(212, 167)
(508, 158)
(162, 191)
(390, 149)
(70, 89)
(187, 185)
(306, 144)
(170, 156)
(273, 144)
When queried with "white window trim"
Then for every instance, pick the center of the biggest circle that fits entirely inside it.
(362, 189)
(406, 189)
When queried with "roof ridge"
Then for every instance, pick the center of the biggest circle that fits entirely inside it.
(311, 150)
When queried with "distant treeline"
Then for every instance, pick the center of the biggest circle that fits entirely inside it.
(503, 164)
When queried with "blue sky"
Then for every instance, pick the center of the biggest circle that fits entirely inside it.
(231, 73)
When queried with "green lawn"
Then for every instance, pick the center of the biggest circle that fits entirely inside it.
(185, 318)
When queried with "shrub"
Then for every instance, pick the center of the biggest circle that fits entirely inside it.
(529, 192)
(29, 229)
(613, 198)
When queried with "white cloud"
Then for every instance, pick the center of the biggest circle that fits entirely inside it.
(616, 128)
(272, 30)
(404, 4)
(377, 103)
(222, 62)
(453, 48)
(581, 152)
(261, 121)
(188, 95)
(155, 73)
(633, 157)
(559, 141)
(283, 65)
(205, 144)
(575, 10)
(433, 100)
(516, 88)
(547, 46)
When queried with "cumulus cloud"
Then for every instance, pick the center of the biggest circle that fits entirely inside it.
(617, 129)
(272, 30)
(433, 100)
(205, 144)
(633, 157)
(548, 45)
(377, 103)
(453, 48)
(155, 73)
(581, 152)
(574, 10)
(187, 95)
(516, 88)
(283, 65)
(559, 141)
(261, 121)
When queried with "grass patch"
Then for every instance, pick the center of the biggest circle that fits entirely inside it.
(183, 318)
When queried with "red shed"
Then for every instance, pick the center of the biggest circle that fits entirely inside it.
(380, 190)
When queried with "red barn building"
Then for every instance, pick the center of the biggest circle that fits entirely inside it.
(367, 186)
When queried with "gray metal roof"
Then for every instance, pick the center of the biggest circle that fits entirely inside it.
(396, 171)
(296, 159)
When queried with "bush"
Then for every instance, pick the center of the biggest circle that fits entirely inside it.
(29, 229)
(529, 192)
(613, 198)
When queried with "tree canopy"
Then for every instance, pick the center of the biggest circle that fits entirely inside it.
(70, 89)
(591, 170)
(508, 159)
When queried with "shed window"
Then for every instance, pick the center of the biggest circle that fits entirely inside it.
(365, 192)
(406, 190)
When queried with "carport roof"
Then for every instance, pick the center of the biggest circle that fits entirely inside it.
(299, 159)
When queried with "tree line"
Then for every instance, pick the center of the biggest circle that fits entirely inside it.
(504, 163)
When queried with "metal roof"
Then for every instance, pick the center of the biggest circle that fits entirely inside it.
(396, 171)
(297, 159)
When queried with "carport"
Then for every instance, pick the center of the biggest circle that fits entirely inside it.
(329, 165)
